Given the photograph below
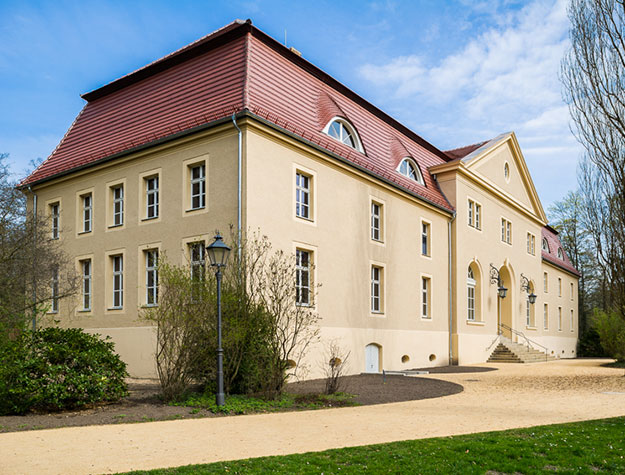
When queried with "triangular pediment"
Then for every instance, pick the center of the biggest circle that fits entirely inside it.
(501, 164)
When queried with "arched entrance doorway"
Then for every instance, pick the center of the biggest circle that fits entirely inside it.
(505, 305)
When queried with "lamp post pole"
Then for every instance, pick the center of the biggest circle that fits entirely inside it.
(218, 254)
(220, 397)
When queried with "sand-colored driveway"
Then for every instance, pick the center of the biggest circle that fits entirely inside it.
(513, 396)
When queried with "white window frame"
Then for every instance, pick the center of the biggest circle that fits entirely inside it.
(560, 253)
(377, 282)
(151, 277)
(546, 316)
(406, 165)
(118, 280)
(303, 277)
(471, 289)
(559, 286)
(572, 293)
(545, 245)
(478, 216)
(376, 221)
(118, 204)
(303, 195)
(346, 131)
(55, 213)
(152, 209)
(531, 244)
(54, 298)
(506, 231)
(200, 181)
(86, 268)
(546, 282)
(426, 297)
(87, 212)
(426, 238)
(559, 319)
(197, 260)
(572, 323)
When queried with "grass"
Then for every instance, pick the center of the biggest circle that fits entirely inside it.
(239, 404)
(581, 447)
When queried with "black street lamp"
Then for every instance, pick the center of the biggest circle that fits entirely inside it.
(218, 254)
(525, 286)
(495, 278)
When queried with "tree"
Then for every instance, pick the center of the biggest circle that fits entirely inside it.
(29, 261)
(593, 75)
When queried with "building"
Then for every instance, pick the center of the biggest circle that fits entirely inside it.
(402, 234)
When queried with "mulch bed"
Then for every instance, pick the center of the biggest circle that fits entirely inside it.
(144, 405)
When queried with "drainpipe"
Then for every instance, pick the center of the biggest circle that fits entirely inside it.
(450, 289)
(234, 121)
(34, 258)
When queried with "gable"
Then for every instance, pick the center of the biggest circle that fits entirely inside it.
(490, 161)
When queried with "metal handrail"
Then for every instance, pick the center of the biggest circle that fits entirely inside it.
(529, 342)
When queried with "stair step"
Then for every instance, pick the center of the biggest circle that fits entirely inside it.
(508, 351)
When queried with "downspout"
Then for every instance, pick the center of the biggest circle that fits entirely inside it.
(453, 217)
(234, 121)
(34, 258)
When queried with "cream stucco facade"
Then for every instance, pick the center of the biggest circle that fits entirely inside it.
(338, 236)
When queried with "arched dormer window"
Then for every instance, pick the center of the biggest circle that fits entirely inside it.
(545, 245)
(341, 130)
(560, 253)
(409, 169)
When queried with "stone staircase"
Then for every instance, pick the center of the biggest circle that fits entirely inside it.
(508, 351)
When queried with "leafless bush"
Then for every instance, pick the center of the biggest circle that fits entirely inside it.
(335, 366)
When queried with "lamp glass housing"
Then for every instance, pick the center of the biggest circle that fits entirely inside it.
(532, 298)
(218, 252)
(502, 292)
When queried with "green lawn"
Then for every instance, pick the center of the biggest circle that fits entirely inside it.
(582, 447)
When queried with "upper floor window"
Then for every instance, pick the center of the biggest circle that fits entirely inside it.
(198, 186)
(560, 253)
(475, 214)
(506, 231)
(545, 245)
(118, 205)
(86, 284)
(409, 169)
(344, 132)
(425, 239)
(546, 282)
(376, 221)
(151, 197)
(87, 212)
(55, 214)
(531, 244)
(571, 290)
(559, 287)
(303, 195)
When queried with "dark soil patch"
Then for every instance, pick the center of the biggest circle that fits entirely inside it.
(456, 369)
(144, 405)
(373, 389)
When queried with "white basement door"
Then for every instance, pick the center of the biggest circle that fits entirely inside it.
(372, 359)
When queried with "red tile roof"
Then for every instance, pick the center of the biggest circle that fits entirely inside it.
(554, 244)
(237, 68)
(462, 152)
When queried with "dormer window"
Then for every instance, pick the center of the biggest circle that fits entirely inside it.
(560, 253)
(545, 245)
(344, 132)
(409, 169)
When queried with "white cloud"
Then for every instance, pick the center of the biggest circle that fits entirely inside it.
(504, 79)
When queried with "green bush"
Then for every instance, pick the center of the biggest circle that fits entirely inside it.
(55, 369)
(611, 329)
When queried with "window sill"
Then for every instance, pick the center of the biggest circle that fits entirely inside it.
(377, 314)
(377, 241)
(84, 232)
(111, 226)
(426, 319)
(52, 312)
(528, 327)
(115, 308)
(149, 306)
(150, 219)
(310, 220)
(476, 323)
(84, 310)
(191, 210)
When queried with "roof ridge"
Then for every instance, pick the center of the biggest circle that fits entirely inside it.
(467, 146)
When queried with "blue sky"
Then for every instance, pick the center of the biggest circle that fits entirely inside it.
(456, 72)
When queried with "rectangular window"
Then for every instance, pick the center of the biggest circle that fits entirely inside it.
(376, 221)
(118, 205)
(571, 290)
(559, 287)
(55, 214)
(55, 291)
(531, 244)
(151, 277)
(376, 289)
(559, 319)
(471, 211)
(425, 239)
(302, 277)
(545, 282)
(528, 319)
(86, 284)
(118, 281)
(197, 251)
(471, 302)
(478, 216)
(506, 231)
(151, 197)
(572, 321)
(546, 317)
(302, 196)
(198, 186)
(87, 213)
(425, 297)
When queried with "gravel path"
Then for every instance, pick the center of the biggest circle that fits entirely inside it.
(514, 396)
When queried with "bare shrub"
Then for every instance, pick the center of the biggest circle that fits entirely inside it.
(335, 366)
